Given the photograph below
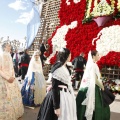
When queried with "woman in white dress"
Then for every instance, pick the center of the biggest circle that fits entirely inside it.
(11, 107)
(34, 88)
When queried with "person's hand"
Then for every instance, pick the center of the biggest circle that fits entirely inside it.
(57, 112)
(49, 88)
(28, 82)
(11, 79)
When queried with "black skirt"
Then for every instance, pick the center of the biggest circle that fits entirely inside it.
(46, 111)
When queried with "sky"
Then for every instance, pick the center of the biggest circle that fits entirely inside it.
(14, 17)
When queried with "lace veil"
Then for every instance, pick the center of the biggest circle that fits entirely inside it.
(88, 81)
(34, 66)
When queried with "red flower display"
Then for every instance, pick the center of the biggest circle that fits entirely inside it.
(80, 39)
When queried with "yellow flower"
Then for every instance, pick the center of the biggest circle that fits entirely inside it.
(112, 5)
(113, 2)
(118, 7)
(103, 8)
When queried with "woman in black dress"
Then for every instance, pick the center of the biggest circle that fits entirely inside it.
(59, 103)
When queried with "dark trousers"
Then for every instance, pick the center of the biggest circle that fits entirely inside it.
(16, 69)
(77, 77)
(23, 72)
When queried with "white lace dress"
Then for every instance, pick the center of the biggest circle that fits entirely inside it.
(11, 107)
(67, 99)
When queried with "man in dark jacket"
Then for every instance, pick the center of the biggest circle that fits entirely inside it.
(25, 59)
(79, 63)
(42, 50)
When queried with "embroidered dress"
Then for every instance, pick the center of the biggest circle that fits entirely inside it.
(89, 99)
(34, 88)
(11, 107)
(61, 96)
(34, 93)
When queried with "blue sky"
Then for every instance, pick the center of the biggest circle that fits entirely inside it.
(14, 16)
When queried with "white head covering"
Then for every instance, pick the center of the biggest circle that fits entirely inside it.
(88, 80)
(34, 66)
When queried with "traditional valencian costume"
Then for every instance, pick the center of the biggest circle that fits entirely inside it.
(34, 87)
(61, 96)
(11, 107)
(89, 99)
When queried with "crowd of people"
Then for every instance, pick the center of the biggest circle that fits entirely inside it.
(59, 103)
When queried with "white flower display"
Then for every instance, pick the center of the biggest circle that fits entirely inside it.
(75, 1)
(67, 2)
(108, 39)
(58, 40)
(117, 81)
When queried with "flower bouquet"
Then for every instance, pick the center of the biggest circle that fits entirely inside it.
(112, 85)
(101, 13)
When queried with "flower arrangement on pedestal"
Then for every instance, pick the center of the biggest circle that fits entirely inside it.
(102, 9)
(100, 12)
(112, 85)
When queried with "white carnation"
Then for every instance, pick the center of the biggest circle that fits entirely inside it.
(108, 39)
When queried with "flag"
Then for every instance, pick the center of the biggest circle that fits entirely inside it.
(33, 25)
